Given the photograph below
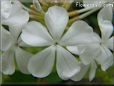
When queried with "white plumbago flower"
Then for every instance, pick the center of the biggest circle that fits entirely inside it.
(10, 46)
(105, 17)
(99, 52)
(12, 13)
(84, 69)
(37, 35)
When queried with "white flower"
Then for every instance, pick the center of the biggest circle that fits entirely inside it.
(105, 17)
(35, 34)
(98, 52)
(12, 13)
(15, 17)
(10, 46)
(84, 70)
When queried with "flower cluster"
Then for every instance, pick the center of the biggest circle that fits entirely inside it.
(72, 50)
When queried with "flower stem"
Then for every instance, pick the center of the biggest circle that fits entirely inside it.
(77, 12)
(88, 13)
(28, 9)
(83, 15)
(66, 5)
(43, 3)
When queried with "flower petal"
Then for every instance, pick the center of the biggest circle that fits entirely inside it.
(56, 20)
(105, 59)
(22, 59)
(110, 43)
(8, 65)
(89, 53)
(16, 7)
(79, 33)
(67, 65)
(73, 49)
(92, 71)
(105, 17)
(37, 34)
(81, 73)
(6, 39)
(6, 7)
(17, 16)
(18, 20)
(21, 43)
(15, 32)
(42, 63)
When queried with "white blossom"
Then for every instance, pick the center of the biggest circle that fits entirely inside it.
(97, 52)
(12, 13)
(10, 45)
(15, 17)
(92, 67)
(37, 35)
(105, 17)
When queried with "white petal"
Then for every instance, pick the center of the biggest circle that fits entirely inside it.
(6, 7)
(10, 8)
(105, 59)
(110, 43)
(105, 17)
(22, 59)
(8, 66)
(92, 71)
(67, 65)
(89, 53)
(79, 32)
(18, 20)
(15, 32)
(56, 20)
(36, 34)
(42, 63)
(5, 39)
(21, 43)
(16, 7)
(81, 73)
(73, 49)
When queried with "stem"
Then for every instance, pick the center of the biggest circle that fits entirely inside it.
(37, 6)
(33, 17)
(88, 13)
(66, 5)
(36, 17)
(43, 3)
(84, 10)
(77, 12)
(83, 15)
(28, 9)
(32, 11)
